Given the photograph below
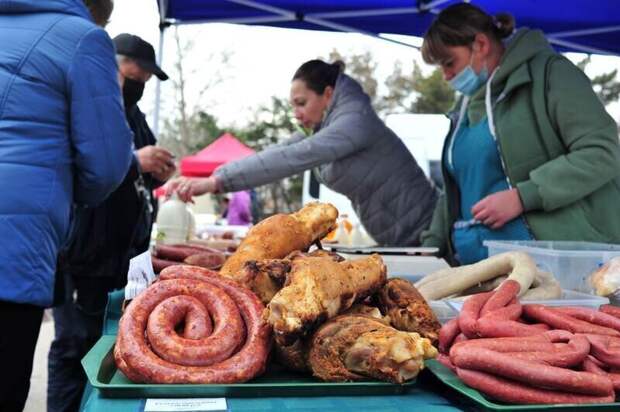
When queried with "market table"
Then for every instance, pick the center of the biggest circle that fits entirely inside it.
(423, 396)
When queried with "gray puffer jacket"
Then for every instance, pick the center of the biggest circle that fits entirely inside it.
(355, 154)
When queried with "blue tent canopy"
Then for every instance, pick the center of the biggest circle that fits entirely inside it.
(588, 26)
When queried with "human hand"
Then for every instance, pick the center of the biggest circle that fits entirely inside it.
(499, 208)
(155, 159)
(187, 187)
(165, 175)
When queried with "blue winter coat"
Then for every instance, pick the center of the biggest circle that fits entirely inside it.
(63, 135)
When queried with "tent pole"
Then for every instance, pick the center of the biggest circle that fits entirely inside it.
(432, 5)
(578, 48)
(264, 7)
(160, 55)
(241, 20)
(365, 13)
(345, 28)
(160, 60)
(585, 32)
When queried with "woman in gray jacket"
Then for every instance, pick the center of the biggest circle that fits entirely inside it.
(352, 152)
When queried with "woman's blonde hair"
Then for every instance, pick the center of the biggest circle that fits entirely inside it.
(458, 25)
(101, 10)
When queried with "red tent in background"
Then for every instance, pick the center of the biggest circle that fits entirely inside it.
(224, 149)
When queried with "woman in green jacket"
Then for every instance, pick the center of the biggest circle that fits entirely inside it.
(532, 153)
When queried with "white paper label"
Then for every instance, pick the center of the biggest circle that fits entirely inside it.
(185, 404)
(140, 275)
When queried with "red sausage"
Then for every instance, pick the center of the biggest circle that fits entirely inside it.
(593, 365)
(161, 264)
(541, 342)
(606, 349)
(491, 328)
(507, 291)
(591, 315)
(447, 333)
(206, 260)
(173, 253)
(533, 373)
(509, 391)
(198, 324)
(561, 321)
(251, 359)
(247, 363)
(180, 252)
(459, 338)
(542, 326)
(470, 312)
(445, 361)
(510, 312)
(202, 248)
(226, 337)
(610, 310)
(123, 367)
(563, 356)
(189, 272)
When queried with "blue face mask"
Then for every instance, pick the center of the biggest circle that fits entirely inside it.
(467, 81)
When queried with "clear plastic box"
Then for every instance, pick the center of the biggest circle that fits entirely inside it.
(400, 262)
(443, 311)
(571, 263)
(568, 298)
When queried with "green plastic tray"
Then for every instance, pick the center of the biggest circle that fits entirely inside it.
(449, 378)
(103, 375)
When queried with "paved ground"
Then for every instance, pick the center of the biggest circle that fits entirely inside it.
(38, 383)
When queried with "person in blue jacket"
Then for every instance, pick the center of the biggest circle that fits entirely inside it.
(63, 140)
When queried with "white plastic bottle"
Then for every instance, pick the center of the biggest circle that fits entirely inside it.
(175, 222)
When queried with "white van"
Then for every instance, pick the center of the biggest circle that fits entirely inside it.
(423, 134)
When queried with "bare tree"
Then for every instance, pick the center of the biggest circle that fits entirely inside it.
(184, 131)
(606, 85)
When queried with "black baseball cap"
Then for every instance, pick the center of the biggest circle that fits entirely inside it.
(141, 51)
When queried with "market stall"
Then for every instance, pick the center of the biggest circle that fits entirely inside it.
(421, 395)
(579, 25)
(504, 297)
(348, 335)
(224, 149)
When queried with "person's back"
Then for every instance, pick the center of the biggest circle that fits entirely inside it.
(350, 148)
(63, 139)
(44, 82)
(388, 189)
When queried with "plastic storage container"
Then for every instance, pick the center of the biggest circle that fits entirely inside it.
(571, 263)
(568, 298)
(399, 261)
(443, 310)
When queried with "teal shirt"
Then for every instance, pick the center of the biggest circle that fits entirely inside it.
(477, 169)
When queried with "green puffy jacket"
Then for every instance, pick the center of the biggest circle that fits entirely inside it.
(559, 147)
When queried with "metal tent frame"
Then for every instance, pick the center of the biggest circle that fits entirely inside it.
(266, 14)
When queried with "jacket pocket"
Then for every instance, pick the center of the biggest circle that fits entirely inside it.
(27, 259)
(467, 243)
(601, 212)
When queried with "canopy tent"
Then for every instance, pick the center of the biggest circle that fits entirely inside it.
(224, 149)
(585, 26)
(571, 25)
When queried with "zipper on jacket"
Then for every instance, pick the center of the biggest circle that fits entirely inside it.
(489, 109)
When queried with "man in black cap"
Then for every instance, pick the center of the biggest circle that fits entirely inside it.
(136, 65)
(104, 238)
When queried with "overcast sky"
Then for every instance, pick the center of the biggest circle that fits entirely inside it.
(262, 59)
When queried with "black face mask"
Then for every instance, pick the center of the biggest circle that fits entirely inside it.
(132, 92)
